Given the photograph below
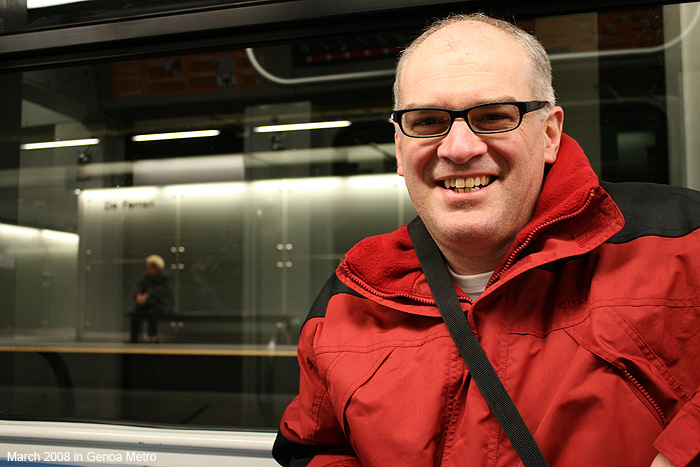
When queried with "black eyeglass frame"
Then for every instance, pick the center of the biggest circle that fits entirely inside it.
(523, 106)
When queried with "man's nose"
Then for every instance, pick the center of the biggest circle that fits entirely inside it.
(461, 143)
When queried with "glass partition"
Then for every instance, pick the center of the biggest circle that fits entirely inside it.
(191, 157)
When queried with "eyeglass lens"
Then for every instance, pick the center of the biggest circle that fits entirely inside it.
(485, 119)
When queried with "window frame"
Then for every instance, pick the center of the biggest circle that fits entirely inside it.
(241, 24)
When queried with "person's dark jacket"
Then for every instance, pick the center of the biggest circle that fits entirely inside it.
(160, 295)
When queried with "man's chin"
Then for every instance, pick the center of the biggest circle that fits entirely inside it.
(463, 226)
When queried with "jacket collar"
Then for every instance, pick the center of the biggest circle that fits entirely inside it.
(573, 210)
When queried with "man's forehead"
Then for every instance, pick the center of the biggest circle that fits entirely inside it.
(465, 36)
(471, 50)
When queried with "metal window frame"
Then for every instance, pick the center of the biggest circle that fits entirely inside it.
(256, 22)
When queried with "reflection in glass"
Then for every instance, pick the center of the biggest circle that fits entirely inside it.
(250, 223)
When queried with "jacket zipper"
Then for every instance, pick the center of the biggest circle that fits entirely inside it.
(533, 233)
(416, 298)
(653, 405)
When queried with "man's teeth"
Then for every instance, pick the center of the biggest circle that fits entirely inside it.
(466, 185)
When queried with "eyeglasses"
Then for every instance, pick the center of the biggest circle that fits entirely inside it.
(495, 117)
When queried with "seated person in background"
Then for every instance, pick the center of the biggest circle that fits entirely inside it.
(153, 300)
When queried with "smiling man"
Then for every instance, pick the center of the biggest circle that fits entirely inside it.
(507, 165)
(585, 297)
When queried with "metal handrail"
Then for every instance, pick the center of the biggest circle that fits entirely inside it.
(314, 79)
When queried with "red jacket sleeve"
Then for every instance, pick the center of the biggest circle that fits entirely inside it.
(680, 441)
(310, 433)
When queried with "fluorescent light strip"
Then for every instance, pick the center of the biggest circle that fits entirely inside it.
(61, 236)
(176, 135)
(61, 144)
(298, 184)
(31, 4)
(375, 181)
(132, 193)
(18, 230)
(302, 126)
(30, 233)
(205, 189)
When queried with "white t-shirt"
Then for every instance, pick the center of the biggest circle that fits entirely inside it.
(472, 285)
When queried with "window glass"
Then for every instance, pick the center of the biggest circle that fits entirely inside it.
(250, 215)
(38, 14)
(250, 218)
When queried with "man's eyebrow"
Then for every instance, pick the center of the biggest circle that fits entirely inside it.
(478, 102)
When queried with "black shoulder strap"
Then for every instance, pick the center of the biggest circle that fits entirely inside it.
(477, 362)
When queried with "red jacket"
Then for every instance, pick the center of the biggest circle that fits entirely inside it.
(592, 322)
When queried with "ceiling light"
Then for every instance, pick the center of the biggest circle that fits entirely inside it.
(206, 189)
(61, 144)
(302, 126)
(133, 193)
(31, 4)
(375, 181)
(63, 236)
(298, 184)
(176, 135)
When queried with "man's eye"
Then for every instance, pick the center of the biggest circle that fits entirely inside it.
(427, 122)
(430, 120)
(494, 117)
(494, 121)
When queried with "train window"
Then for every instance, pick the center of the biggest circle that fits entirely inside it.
(42, 14)
(248, 192)
(226, 184)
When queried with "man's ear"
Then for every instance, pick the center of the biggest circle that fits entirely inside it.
(553, 128)
(399, 155)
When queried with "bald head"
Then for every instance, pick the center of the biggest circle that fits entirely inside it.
(538, 74)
